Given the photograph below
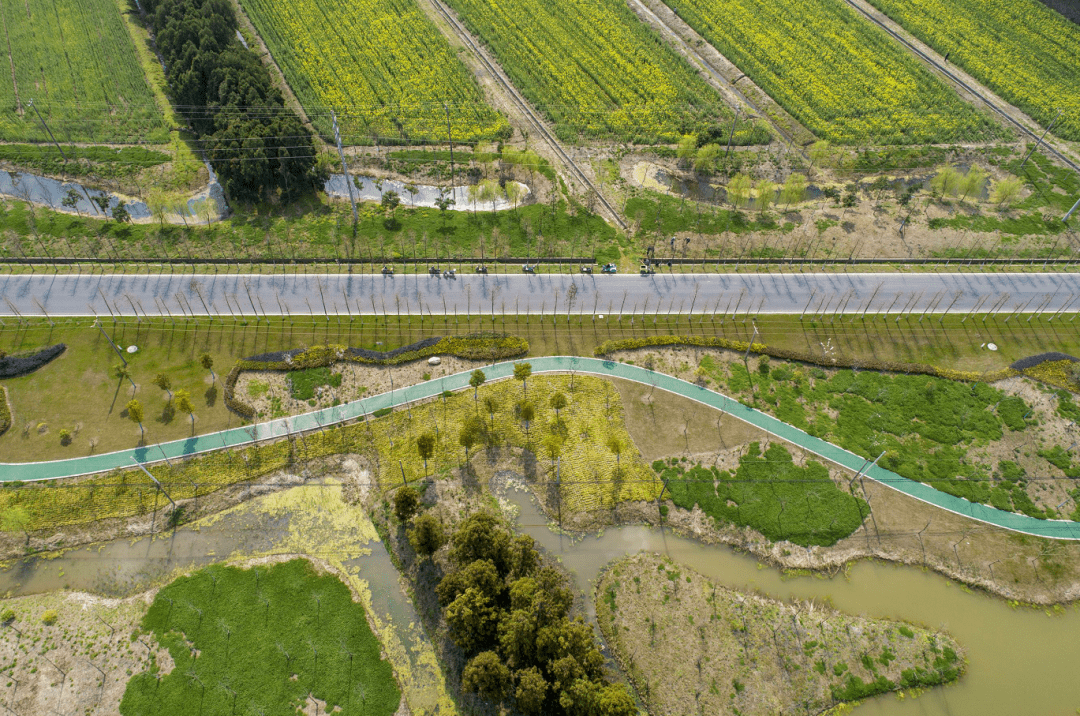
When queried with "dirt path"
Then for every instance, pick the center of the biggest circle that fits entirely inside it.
(721, 73)
(508, 98)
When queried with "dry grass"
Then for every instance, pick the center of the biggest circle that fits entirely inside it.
(691, 646)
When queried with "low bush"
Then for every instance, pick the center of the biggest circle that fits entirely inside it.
(608, 347)
(473, 346)
(13, 366)
(770, 494)
(5, 411)
(49, 617)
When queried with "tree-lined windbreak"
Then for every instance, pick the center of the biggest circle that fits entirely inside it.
(262, 641)
(257, 145)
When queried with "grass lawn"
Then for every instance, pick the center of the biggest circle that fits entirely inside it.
(262, 640)
(46, 401)
(317, 228)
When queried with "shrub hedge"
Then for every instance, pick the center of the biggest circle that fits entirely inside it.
(608, 347)
(484, 345)
(5, 411)
(14, 366)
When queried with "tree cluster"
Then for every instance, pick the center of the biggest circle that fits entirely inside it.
(256, 145)
(510, 615)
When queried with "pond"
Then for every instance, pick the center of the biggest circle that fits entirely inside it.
(51, 192)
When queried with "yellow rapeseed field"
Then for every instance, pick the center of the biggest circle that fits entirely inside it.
(842, 77)
(1022, 50)
(382, 65)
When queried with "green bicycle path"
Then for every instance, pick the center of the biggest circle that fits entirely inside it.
(281, 427)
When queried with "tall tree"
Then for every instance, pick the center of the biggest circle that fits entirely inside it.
(476, 380)
(522, 371)
(558, 402)
(135, 414)
(425, 445)
(184, 405)
(15, 518)
(163, 381)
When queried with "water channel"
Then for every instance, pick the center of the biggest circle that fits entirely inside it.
(1021, 661)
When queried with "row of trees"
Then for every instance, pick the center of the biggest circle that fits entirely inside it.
(256, 144)
(509, 614)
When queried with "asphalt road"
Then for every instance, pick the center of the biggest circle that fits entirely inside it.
(215, 294)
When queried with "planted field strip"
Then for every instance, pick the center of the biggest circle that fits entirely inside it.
(76, 61)
(1022, 50)
(384, 66)
(843, 78)
(596, 70)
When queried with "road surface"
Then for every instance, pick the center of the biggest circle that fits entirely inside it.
(827, 293)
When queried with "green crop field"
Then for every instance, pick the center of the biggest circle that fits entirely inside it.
(384, 66)
(597, 71)
(77, 62)
(1022, 50)
(844, 79)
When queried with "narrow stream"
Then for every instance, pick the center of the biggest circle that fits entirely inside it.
(1021, 661)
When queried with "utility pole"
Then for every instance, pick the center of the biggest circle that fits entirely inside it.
(110, 340)
(1033, 149)
(1065, 219)
(140, 466)
(345, 170)
(42, 119)
(731, 135)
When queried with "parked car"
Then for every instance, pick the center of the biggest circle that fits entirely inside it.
(387, 271)
(609, 268)
(526, 268)
(586, 269)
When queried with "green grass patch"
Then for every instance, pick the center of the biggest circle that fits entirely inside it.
(303, 383)
(266, 639)
(316, 228)
(922, 426)
(771, 494)
(653, 212)
(82, 161)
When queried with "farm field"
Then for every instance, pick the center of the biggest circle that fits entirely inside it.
(384, 66)
(596, 71)
(1022, 50)
(844, 79)
(77, 62)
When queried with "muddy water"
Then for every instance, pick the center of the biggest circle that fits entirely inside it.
(124, 567)
(1021, 661)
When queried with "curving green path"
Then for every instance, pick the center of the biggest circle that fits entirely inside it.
(1056, 529)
